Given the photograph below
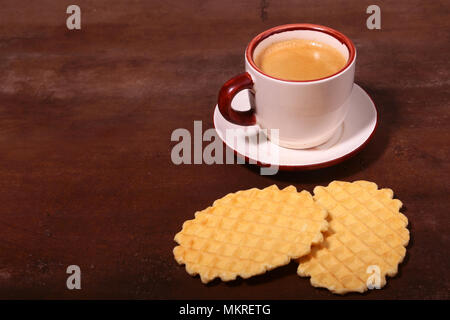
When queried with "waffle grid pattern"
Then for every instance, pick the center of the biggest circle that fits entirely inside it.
(366, 228)
(249, 232)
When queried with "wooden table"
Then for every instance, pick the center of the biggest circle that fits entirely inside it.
(86, 117)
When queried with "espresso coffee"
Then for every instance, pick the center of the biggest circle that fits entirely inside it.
(300, 59)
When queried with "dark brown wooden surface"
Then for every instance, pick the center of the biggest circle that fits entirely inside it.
(85, 124)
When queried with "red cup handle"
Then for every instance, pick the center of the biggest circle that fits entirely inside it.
(226, 95)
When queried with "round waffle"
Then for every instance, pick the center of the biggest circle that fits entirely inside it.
(365, 241)
(249, 232)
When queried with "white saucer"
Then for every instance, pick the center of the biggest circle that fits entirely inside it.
(356, 131)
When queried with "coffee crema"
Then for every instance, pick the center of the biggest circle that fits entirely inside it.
(300, 59)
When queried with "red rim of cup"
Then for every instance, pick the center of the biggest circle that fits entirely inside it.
(300, 26)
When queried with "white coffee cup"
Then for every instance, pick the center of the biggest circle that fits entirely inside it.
(306, 113)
